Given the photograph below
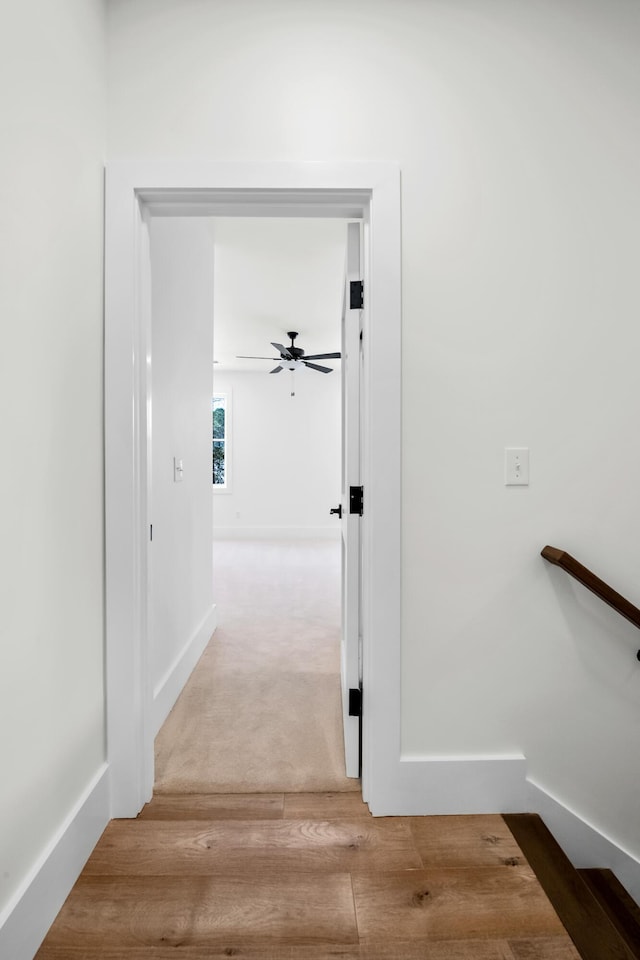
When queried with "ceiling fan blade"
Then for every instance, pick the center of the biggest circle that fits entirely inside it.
(323, 356)
(284, 351)
(315, 366)
(276, 370)
(241, 357)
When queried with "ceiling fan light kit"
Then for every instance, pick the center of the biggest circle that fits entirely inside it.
(293, 358)
(292, 365)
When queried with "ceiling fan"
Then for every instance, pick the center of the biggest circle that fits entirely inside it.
(293, 358)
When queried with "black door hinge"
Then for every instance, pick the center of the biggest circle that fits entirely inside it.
(355, 701)
(151, 531)
(356, 295)
(356, 500)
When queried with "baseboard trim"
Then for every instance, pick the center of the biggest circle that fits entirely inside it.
(583, 844)
(452, 785)
(27, 917)
(277, 533)
(170, 687)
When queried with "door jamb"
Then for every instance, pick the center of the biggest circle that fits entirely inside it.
(136, 191)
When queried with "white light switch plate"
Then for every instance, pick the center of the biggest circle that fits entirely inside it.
(516, 466)
(178, 470)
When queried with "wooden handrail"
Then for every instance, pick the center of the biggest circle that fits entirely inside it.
(593, 583)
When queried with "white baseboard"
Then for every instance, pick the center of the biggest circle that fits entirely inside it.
(435, 786)
(170, 687)
(584, 844)
(277, 533)
(27, 917)
(424, 786)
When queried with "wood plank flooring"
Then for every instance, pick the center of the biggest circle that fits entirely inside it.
(304, 877)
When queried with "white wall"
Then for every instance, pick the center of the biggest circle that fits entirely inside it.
(182, 363)
(52, 134)
(515, 126)
(285, 455)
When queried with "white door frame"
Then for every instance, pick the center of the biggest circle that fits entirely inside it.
(135, 191)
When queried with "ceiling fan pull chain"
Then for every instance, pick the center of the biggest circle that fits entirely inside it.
(293, 383)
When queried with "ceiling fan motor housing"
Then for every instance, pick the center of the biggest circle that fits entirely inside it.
(295, 352)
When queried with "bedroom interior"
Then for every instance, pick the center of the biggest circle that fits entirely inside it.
(262, 710)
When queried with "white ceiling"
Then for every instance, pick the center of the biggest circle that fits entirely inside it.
(271, 276)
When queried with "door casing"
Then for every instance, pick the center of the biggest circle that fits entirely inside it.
(136, 191)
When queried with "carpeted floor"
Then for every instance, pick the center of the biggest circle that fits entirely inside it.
(262, 711)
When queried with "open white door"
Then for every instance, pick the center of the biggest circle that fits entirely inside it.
(351, 510)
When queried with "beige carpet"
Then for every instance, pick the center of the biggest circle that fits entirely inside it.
(262, 711)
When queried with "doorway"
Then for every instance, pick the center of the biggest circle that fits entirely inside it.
(136, 192)
(262, 710)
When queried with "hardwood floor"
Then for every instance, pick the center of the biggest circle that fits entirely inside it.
(304, 877)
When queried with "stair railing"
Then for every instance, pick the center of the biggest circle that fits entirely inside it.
(593, 583)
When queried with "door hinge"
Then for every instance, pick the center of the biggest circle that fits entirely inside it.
(356, 500)
(356, 295)
(150, 531)
(355, 701)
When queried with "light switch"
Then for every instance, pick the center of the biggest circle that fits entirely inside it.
(516, 466)
(178, 470)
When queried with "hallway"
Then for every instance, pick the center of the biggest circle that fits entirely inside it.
(255, 845)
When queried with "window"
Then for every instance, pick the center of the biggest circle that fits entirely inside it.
(220, 437)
